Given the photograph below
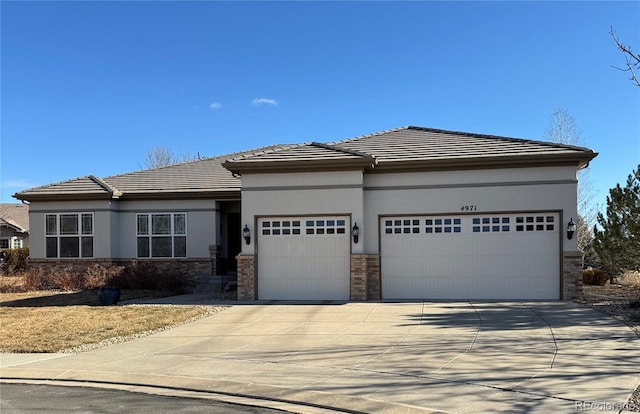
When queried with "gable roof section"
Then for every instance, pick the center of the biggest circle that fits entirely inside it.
(314, 156)
(15, 216)
(194, 179)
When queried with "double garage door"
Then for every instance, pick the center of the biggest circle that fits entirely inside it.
(488, 256)
(303, 258)
(483, 256)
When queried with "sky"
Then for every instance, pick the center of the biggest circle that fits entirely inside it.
(90, 87)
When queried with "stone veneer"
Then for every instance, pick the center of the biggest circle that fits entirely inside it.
(192, 267)
(247, 282)
(365, 277)
(571, 275)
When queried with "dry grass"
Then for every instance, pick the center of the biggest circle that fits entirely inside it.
(55, 322)
(11, 283)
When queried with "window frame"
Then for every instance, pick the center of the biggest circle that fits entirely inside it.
(145, 234)
(80, 236)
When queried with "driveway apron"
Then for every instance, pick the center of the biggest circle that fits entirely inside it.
(466, 357)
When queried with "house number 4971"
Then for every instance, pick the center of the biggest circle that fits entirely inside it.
(469, 207)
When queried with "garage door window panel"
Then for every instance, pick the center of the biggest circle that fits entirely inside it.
(542, 223)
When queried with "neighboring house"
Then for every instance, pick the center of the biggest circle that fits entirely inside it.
(409, 213)
(14, 226)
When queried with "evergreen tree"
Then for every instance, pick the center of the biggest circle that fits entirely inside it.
(617, 241)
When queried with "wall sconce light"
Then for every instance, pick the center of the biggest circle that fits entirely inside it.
(246, 233)
(355, 232)
(571, 228)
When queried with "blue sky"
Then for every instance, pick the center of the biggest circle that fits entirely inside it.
(89, 87)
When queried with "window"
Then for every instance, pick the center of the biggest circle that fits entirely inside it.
(69, 235)
(539, 226)
(446, 225)
(4, 243)
(292, 227)
(284, 228)
(162, 235)
(491, 224)
(407, 225)
(17, 243)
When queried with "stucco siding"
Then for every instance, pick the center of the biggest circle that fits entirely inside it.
(496, 176)
(549, 197)
(329, 178)
(201, 228)
(115, 224)
(102, 213)
(335, 193)
(36, 227)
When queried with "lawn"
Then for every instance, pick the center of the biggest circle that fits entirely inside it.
(54, 321)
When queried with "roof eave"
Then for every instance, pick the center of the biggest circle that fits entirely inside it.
(62, 196)
(579, 161)
(217, 194)
(241, 167)
(14, 227)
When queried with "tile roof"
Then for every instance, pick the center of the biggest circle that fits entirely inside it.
(15, 215)
(314, 155)
(431, 147)
(413, 147)
(199, 178)
(397, 149)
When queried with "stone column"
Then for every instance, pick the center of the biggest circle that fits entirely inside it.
(365, 277)
(374, 290)
(247, 282)
(571, 275)
(358, 277)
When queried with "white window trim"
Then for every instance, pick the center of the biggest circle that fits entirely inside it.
(171, 234)
(80, 235)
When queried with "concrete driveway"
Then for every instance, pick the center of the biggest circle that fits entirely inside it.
(377, 357)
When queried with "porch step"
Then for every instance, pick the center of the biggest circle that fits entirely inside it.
(213, 284)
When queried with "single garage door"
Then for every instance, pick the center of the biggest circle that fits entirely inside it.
(488, 256)
(303, 258)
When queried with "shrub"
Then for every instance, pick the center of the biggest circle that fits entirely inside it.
(66, 278)
(14, 260)
(140, 275)
(147, 276)
(596, 277)
(630, 278)
(174, 280)
(96, 276)
(12, 284)
(35, 278)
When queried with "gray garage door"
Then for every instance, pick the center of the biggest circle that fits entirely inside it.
(303, 258)
(484, 256)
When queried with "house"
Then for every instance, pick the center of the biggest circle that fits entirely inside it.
(407, 213)
(14, 226)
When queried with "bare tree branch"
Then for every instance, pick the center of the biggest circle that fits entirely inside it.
(160, 156)
(632, 60)
(563, 129)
